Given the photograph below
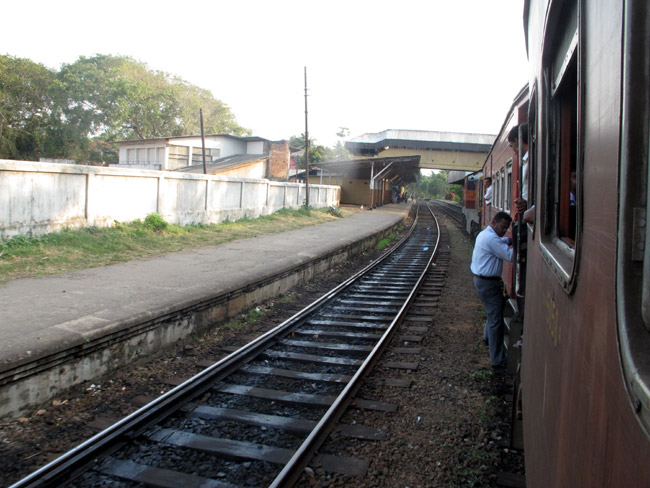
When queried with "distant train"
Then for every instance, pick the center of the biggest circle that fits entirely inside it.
(502, 166)
(472, 203)
(579, 289)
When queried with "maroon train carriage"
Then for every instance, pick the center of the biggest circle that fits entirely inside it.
(502, 165)
(585, 367)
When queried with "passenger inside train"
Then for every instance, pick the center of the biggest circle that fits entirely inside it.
(522, 201)
(487, 197)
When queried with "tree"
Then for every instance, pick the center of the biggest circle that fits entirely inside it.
(434, 185)
(120, 98)
(317, 153)
(79, 112)
(341, 152)
(27, 107)
(217, 117)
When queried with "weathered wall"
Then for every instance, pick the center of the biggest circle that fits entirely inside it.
(355, 191)
(37, 198)
(279, 160)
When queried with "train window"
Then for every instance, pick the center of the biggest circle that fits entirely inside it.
(564, 131)
(532, 149)
(504, 189)
(501, 189)
(508, 186)
(497, 198)
(500, 199)
(633, 257)
(562, 97)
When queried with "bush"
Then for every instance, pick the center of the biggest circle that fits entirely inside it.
(19, 241)
(335, 211)
(155, 222)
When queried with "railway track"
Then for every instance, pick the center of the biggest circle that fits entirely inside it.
(258, 416)
(450, 209)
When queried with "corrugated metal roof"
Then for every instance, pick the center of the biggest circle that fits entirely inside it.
(222, 164)
(244, 139)
(406, 168)
(375, 143)
(425, 136)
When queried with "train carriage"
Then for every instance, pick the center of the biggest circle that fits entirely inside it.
(503, 166)
(585, 367)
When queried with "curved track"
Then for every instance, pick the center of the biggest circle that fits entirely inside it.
(258, 416)
(452, 210)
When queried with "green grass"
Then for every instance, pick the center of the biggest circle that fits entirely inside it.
(70, 250)
(384, 242)
(246, 319)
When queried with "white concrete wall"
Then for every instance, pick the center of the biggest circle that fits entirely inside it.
(37, 198)
(255, 147)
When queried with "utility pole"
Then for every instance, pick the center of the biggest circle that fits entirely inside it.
(306, 146)
(205, 166)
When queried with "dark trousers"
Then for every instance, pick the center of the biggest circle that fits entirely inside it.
(491, 294)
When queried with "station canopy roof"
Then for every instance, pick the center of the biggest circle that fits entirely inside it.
(376, 142)
(399, 170)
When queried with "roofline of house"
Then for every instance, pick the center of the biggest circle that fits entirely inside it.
(244, 139)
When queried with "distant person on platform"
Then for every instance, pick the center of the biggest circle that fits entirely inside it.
(490, 250)
(487, 196)
(513, 139)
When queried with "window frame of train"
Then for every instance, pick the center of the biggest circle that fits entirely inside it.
(504, 189)
(499, 191)
(562, 119)
(531, 174)
(508, 180)
(633, 256)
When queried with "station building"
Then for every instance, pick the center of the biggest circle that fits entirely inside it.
(226, 155)
(370, 182)
(437, 150)
(386, 162)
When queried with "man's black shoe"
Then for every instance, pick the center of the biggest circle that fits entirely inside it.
(485, 342)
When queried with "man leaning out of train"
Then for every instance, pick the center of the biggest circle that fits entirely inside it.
(490, 250)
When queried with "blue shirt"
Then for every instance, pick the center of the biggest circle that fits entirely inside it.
(490, 251)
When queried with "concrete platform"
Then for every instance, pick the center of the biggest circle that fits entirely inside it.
(65, 329)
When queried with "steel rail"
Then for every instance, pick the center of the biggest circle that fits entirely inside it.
(293, 469)
(450, 210)
(69, 464)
